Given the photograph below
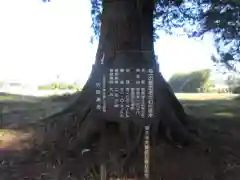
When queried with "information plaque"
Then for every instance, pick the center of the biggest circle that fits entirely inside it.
(125, 93)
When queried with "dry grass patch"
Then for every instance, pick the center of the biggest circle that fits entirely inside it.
(14, 140)
(205, 96)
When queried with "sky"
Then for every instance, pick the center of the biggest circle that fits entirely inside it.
(39, 41)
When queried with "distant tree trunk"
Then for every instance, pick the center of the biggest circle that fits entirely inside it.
(126, 31)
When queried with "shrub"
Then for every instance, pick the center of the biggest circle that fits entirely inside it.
(236, 90)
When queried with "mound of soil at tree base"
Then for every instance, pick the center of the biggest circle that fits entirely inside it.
(217, 158)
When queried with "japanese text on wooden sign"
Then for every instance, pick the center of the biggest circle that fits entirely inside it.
(127, 92)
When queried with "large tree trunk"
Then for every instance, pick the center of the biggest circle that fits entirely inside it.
(126, 31)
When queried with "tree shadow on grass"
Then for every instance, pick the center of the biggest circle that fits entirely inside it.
(17, 112)
(218, 156)
(21, 109)
(228, 107)
(220, 115)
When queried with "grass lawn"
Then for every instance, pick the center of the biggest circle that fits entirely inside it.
(211, 104)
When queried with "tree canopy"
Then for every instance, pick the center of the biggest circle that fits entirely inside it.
(195, 18)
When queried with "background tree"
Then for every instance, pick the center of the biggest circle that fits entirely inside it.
(233, 82)
(190, 82)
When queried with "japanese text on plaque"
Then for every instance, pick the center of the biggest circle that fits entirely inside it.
(130, 91)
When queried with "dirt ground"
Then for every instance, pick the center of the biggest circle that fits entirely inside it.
(217, 157)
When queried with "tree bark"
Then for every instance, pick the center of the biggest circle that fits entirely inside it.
(126, 31)
(127, 28)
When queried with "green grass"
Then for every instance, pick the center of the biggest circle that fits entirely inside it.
(8, 97)
(220, 112)
(211, 105)
(18, 109)
(60, 86)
